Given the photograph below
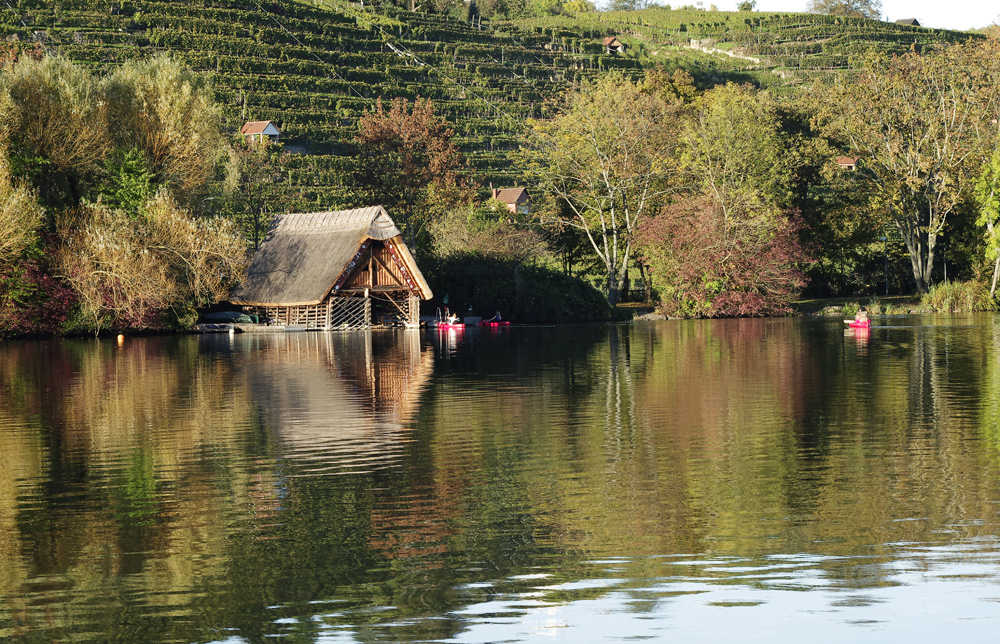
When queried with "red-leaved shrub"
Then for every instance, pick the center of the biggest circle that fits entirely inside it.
(708, 264)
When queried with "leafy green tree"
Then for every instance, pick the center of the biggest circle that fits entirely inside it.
(919, 124)
(857, 8)
(126, 180)
(987, 193)
(725, 245)
(733, 152)
(251, 170)
(747, 5)
(607, 159)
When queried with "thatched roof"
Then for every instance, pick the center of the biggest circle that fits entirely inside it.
(304, 255)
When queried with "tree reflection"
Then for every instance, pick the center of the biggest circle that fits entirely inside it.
(304, 484)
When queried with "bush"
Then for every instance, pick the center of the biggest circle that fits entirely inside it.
(32, 302)
(958, 297)
(520, 292)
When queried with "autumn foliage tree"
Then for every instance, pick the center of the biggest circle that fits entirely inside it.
(100, 168)
(128, 271)
(725, 246)
(410, 164)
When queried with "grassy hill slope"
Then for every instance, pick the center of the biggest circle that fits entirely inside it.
(768, 49)
(313, 68)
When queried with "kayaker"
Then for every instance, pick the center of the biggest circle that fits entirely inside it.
(860, 320)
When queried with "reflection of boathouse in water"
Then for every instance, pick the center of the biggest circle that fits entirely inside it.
(340, 402)
(327, 270)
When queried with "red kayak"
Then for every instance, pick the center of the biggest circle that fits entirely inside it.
(859, 324)
(450, 325)
(494, 324)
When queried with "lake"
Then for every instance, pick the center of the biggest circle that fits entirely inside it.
(711, 481)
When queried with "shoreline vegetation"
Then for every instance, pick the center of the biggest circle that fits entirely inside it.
(711, 164)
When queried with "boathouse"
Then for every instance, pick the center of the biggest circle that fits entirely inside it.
(329, 270)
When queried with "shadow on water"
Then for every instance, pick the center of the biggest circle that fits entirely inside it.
(601, 481)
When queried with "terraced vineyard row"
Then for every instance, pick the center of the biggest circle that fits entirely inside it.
(757, 44)
(315, 69)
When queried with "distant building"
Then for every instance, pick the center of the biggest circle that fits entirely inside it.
(614, 46)
(908, 21)
(257, 130)
(848, 163)
(516, 199)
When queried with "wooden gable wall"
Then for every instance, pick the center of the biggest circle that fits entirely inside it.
(378, 270)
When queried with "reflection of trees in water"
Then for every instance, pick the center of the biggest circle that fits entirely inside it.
(188, 470)
(158, 462)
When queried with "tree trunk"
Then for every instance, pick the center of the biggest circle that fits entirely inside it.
(647, 283)
(996, 274)
(921, 248)
(614, 294)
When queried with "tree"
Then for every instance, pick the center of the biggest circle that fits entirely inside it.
(987, 192)
(725, 245)
(708, 268)
(129, 271)
(630, 5)
(606, 158)
(920, 124)
(109, 161)
(747, 5)
(53, 120)
(857, 8)
(20, 216)
(168, 112)
(70, 132)
(409, 163)
(251, 170)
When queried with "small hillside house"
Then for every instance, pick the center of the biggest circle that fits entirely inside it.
(516, 199)
(327, 270)
(847, 163)
(908, 21)
(614, 46)
(258, 130)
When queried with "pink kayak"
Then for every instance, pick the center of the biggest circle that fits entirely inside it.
(859, 324)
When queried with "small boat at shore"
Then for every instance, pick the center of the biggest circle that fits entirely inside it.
(493, 325)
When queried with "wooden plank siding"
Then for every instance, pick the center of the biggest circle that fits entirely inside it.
(378, 270)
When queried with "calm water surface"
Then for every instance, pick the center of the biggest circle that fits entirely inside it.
(754, 480)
